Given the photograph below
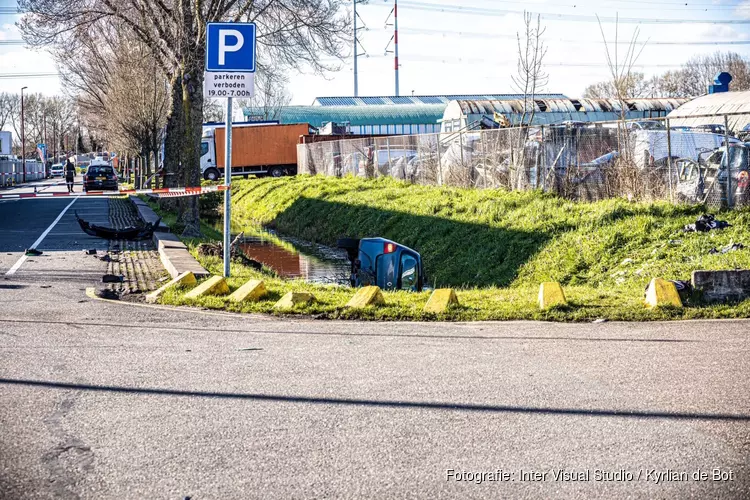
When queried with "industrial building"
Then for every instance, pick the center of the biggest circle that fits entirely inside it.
(380, 115)
(383, 119)
(714, 104)
(408, 115)
(460, 114)
(420, 99)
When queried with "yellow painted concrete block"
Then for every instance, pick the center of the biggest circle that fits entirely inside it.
(551, 294)
(367, 296)
(662, 293)
(251, 291)
(186, 279)
(292, 299)
(440, 300)
(215, 285)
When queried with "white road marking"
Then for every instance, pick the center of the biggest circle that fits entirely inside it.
(23, 258)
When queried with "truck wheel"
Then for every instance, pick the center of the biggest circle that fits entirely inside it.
(276, 172)
(211, 174)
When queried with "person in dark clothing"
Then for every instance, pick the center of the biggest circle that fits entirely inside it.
(70, 174)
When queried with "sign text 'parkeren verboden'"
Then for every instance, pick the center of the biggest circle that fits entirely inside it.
(222, 84)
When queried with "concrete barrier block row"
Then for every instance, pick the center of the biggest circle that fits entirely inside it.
(660, 292)
(254, 290)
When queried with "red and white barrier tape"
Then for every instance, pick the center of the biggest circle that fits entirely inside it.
(171, 192)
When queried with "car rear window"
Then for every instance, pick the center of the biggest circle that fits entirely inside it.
(100, 171)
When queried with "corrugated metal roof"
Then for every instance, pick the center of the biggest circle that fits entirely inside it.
(419, 99)
(714, 104)
(393, 114)
(557, 110)
(567, 105)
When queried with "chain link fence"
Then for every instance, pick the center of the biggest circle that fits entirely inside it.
(642, 160)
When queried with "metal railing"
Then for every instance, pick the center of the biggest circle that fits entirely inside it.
(638, 159)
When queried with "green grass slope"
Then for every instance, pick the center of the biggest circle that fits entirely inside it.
(495, 238)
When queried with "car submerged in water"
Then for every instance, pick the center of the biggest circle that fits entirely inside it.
(385, 263)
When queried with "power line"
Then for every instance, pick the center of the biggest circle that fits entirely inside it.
(672, 3)
(484, 61)
(552, 16)
(9, 76)
(12, 42)
(471, 34)
(504, 63)
(677, 6)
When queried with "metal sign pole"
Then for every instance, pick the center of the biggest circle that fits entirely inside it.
(227, 183)
(230, 71)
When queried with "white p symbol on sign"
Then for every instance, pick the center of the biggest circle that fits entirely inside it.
(224, 48)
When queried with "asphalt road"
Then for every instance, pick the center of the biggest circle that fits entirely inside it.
(107, 400)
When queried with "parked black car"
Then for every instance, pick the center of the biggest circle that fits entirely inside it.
(99, 178)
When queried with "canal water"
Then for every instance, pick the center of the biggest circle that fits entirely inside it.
(294, 258)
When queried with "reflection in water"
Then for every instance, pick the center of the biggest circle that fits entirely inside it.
(302, 260)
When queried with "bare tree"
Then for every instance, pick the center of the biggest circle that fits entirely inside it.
(691, 80)
(121, 91)
(8, 104)
(700, 71)
(291, 33)
(530, 77)
(632, 86)
(621, 70)
(271, 95)
(139, 100)
(213, 111)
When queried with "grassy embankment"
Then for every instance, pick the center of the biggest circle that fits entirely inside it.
(494, 246)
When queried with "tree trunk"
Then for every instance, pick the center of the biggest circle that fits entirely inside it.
(147, 163)
(172, 144)
(192, 110)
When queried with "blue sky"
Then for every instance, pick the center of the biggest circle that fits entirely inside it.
(469, 46)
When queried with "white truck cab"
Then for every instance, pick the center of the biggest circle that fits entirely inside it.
(209, 170)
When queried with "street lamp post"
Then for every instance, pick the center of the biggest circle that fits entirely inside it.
(23, 139)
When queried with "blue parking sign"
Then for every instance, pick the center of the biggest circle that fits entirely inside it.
(230, 47)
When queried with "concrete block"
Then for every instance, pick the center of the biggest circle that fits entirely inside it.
(662, 293)
(251, 291)
(722, 286)
(215, 285)
(147, 214)
(186, 279)
(551, 294)
(292, 299)
(175, 256)
(440, 300)
(367, 296)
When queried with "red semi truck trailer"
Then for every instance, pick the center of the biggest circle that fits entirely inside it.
(256, 150)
